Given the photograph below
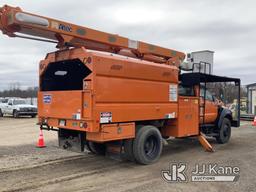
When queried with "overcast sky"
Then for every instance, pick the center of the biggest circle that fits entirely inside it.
(226, 27)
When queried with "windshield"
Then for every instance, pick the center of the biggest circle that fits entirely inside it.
(19, 102)
(3, 100)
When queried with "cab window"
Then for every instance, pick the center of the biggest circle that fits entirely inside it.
(208, 95)
(186, 91)
(3, 100)
(19, 102)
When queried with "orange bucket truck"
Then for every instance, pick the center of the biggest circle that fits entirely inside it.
(111, 94)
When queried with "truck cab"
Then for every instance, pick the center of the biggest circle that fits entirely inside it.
(215, 119)
(211, 106)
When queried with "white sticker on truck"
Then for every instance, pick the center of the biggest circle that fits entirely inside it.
(173, 95)
(105, 117)
(170, 115)
(132, 44)
(47, 99)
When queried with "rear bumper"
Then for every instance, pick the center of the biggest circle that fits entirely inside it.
(106, 132)
(71, 124)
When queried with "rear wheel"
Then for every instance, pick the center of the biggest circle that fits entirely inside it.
(15, 114)
(224, 132)
(96, 148)
(1, 114)
(33, 116)
(147, 145)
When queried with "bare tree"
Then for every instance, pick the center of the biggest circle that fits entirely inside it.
(15, 91)
(226, 92)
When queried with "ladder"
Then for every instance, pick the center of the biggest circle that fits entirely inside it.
(202, 67)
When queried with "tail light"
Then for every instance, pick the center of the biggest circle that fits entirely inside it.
(83, 125)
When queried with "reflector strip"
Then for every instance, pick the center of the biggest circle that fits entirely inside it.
(132, 44)
(30, 19)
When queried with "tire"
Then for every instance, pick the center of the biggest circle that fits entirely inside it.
(96, 148)
(15, 114)
(224, 133)
(128, 150)
(33, 116)
(1, 114)
(147, 145)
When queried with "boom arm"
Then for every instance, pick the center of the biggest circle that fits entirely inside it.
(13, 20)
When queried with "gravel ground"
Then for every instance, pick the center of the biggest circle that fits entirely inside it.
(23, 167)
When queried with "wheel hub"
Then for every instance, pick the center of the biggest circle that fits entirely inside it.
(150, 146)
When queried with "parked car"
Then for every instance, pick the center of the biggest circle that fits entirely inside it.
(3, 102)
(18, 107)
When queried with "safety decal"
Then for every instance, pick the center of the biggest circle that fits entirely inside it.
(47, 99)
(173, 95)
(105, 117)
(170, 115)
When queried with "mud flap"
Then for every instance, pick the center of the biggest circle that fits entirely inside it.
(71, 140)
(115, 150)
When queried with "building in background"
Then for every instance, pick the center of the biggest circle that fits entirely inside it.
(251, 96)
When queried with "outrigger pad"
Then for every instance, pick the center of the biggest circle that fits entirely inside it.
(206, 145)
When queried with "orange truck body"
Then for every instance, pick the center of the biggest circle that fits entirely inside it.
(129, 89)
